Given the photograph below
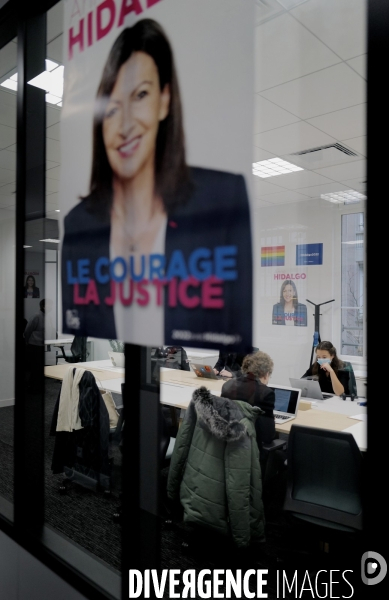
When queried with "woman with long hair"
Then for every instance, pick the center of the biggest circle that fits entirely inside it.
(327, 369)
(289, 311)
(30, 288)
(150, 222)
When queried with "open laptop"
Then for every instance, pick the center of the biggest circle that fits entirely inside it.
(310, 388)
(286, 403)
(205, 371)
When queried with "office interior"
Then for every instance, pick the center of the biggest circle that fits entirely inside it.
(310, 110)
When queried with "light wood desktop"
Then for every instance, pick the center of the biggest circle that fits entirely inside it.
(176, 389)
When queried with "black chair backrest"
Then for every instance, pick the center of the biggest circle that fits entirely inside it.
(164, 434)
(324, 477)
(78, 348)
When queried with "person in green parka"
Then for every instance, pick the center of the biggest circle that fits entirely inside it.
(215, 469)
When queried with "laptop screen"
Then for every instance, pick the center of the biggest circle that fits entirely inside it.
(286, 399)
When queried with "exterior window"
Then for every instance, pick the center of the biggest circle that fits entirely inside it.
(353, 281)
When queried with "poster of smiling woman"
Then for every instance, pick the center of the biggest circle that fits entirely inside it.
(156, 137)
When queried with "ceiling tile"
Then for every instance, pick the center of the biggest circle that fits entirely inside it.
(7, 200)
(259, 154)
(322, 92)
(7, 98)
(340, 25)
(8, 58)
(285, 50)
(284, 197)
(7, 175)
(50, 164)
(8, 114)
(53, 115)
(300, 179)
(261, 204)
(53, 151)
(54, 21)
(358, 144)
(53, 173)
(344, 172)
(269, 116)
(11, 148)
(343, 124)
(6, 214)
(7, 136)
(263, 186)
(52, 185)
(7, 160)
(292, 138)
(316, 190)
(53, 199)
(54, 49)
(359, 64)
(7, 189)
(358, 184)
(53, 132)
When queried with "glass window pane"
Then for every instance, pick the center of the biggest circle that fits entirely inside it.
(8, 65)
(353, 281)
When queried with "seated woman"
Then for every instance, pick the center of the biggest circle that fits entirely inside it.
(327, 369)
(250, 385)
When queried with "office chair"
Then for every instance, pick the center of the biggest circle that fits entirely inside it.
(352, 384)
(77, 352)
(324, 481)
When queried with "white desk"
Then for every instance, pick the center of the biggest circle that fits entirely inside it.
(177, 387)
(58, 342)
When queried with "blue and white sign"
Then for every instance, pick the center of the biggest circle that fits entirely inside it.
(309, 254)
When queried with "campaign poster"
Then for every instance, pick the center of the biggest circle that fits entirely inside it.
(156, 145)
(32, 284)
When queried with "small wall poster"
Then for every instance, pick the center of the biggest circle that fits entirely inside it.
(309, 254)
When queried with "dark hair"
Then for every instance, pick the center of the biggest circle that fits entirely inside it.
(171, 172)
(282, 299)
(336, 363)
(42, 304)
(32, 277)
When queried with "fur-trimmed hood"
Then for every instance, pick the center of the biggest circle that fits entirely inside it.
(222, 417)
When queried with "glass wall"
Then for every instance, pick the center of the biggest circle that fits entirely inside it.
(7, 272)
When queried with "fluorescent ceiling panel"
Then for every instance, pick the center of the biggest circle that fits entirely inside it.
(273, 167)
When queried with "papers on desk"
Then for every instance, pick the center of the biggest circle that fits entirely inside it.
(361, 417)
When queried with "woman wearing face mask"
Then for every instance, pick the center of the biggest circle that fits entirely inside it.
(328, 370)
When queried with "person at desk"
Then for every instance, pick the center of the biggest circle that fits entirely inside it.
(250, 385)
(228, 364)
(327, 369)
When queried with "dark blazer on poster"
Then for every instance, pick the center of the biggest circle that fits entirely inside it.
(300, 315)
(35, 292)
(216, 214)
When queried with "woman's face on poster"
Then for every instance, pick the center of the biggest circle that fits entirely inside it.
(288, 293)
(30, 282)
(135, 108)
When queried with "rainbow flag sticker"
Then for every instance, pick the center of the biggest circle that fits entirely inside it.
(272, 256)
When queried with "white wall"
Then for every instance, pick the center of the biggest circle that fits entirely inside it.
(7, 311)
(288, 225)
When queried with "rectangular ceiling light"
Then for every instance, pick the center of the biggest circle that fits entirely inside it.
(50, 240)
(274, 166)
(50, 80)
(345, 197)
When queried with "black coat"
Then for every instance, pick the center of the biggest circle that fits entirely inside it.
(248, 388)
(230, 361)
(85, 449)
(216, 214)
